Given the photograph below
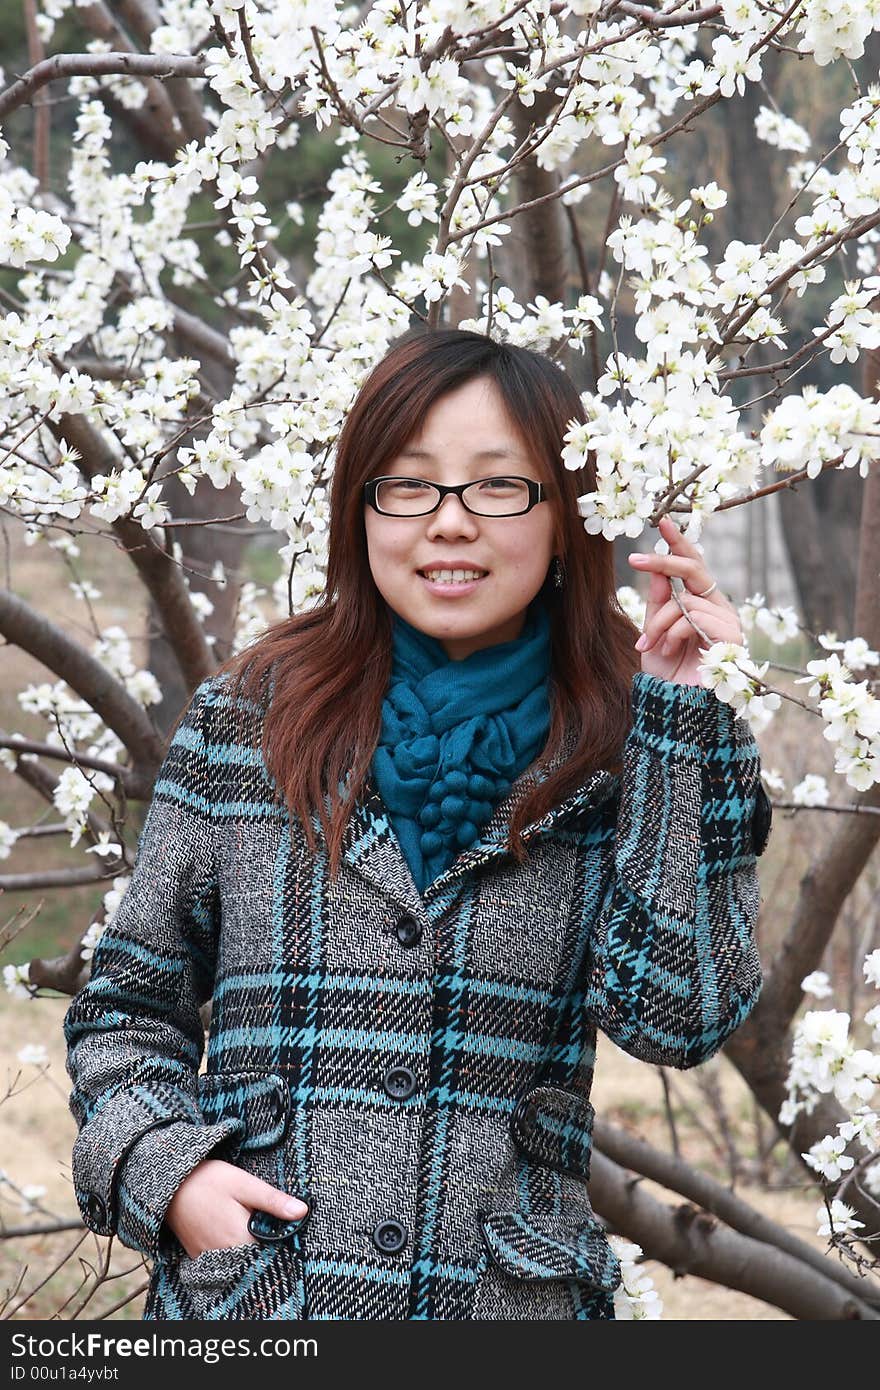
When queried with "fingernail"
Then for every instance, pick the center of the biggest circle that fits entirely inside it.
(637, 555)
(295, 1210)
(642, 643)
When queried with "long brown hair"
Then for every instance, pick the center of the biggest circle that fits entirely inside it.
(331, 664)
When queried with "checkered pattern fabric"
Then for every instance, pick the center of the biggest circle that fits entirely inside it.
(418, 1067)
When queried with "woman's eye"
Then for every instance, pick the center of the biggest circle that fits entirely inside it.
(407, 485)
(499, 484)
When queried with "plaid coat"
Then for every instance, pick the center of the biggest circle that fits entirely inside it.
(418, 1068)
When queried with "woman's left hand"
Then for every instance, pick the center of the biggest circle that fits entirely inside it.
(670, 646)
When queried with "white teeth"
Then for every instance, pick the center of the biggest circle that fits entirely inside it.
(452, 576)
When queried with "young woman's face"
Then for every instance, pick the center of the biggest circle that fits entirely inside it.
(466, 435)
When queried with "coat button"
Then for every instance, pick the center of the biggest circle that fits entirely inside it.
(389, 1237)
(275, 1108)
(527, 1113)
(399, 1082)
(408, 931)
(96, 1210)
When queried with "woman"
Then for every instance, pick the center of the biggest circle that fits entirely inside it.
(417, 844)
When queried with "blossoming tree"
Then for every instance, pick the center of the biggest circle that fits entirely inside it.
(179, 430)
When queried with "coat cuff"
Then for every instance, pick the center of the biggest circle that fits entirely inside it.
(105, 1141)
(153, 1170)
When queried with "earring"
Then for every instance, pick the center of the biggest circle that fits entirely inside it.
(558, 572)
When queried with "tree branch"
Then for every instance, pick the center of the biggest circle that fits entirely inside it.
(67, 974)
(63, 65)
(709, 1194)
(24, 627)
(18, 1232)
(53, 878)
(156, 119)
(159, 574)
(135, 785)
(656, 19)
(689, 1241)
(857, 808)
(43, 783)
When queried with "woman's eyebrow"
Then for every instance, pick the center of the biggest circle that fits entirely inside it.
(480, 454)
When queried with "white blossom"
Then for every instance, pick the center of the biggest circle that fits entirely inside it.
(635, 1298)
(842, 1220)
(817, 984)
(781, 131)
(8, 835)
(812, 790)
(827, 1157)
(16, 980)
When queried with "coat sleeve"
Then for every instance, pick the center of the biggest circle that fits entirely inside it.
(133, 1032)
(674, 968)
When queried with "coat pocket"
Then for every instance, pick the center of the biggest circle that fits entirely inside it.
(543, 1268)
(539, 1247)
(254, 1281)
(546, 1254)
(259, 1279)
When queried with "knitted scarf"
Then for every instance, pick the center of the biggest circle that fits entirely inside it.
(456, 734)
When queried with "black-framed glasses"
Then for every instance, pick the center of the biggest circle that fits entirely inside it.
(507, 495)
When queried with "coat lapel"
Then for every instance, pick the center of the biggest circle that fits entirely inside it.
(373, 850)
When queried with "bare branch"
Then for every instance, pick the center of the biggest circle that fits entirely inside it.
(159, 574)
(206, 521)
(21, 1232)
(707, 1193)
(52, 878)
(656, 19)
(135, 785)
(854, 809)
(63, 65)
(8, 1313)
(67, 974)
(24, 627)
(690, 1241)
(123, 1302)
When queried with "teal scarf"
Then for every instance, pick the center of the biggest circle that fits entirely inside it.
(456, 734)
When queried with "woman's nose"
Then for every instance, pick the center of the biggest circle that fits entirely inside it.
(452, 515)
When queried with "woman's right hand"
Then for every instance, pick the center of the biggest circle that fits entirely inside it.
(212, 1206)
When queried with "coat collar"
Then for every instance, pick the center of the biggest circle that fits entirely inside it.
(371, 847)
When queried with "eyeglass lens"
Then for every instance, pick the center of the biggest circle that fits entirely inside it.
(488, 496)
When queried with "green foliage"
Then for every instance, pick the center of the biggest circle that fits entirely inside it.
(262, 564)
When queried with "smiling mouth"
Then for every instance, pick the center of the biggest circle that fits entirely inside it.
(453, 576)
